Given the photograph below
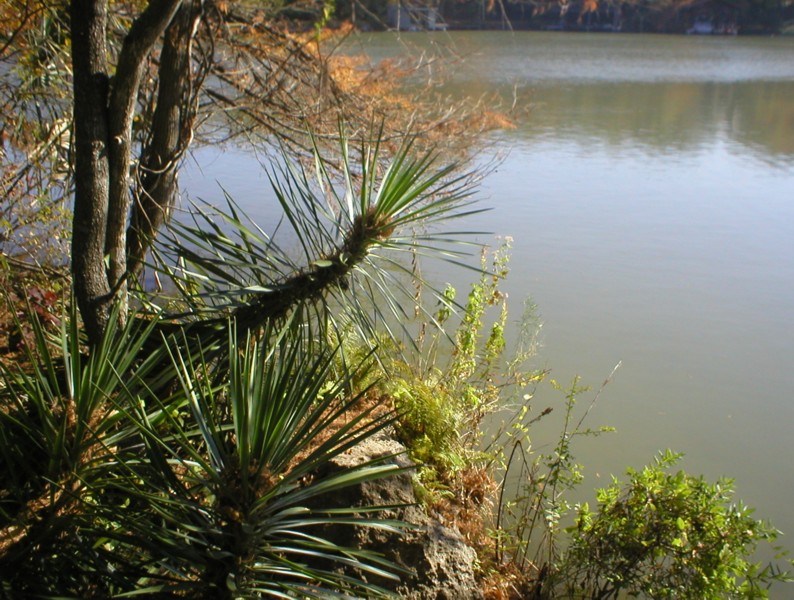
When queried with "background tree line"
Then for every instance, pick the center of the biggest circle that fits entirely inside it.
(651, 16)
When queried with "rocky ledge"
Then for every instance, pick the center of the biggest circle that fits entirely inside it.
(438, 562)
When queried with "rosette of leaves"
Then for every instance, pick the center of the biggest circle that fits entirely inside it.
(350, 218)
(215, 490)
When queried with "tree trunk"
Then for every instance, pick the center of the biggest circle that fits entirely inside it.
(103, 115)
(138, 43)
(89, 52)
(172, 130)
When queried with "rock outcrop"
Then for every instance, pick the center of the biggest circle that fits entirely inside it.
(439, 564)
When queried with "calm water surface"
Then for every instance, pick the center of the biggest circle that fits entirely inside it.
(650, 195)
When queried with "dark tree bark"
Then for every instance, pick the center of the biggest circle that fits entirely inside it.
(138, 44)
(103, 114)
(121, 203)
(172, 130)
(89, 52)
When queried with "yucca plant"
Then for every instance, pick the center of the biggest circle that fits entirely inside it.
(240, 497)
(216, 491)
(55, 427)
(351, 224)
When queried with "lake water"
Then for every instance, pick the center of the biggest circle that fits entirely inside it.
(650, 195)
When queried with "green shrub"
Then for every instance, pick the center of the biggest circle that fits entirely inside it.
(667, 534)
(459, 376)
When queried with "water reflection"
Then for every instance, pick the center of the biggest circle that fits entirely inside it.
(653, 94)
(756, 118)
(649, 195)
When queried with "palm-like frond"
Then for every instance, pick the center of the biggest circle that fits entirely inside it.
(55, 429)
(220, 488)
(233, 499)
(189, 454)
(350, 225)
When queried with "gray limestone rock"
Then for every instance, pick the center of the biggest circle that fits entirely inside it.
(439, 563)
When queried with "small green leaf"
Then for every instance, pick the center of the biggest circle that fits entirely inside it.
(230, 583)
